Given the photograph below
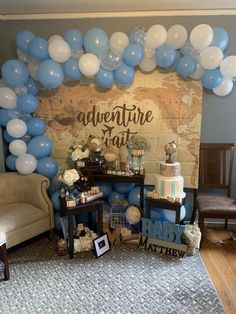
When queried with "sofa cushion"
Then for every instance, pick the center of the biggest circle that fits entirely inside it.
(17, 215)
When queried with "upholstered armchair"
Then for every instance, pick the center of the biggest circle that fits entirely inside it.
(25, 207)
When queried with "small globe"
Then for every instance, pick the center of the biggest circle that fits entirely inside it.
(133, 215)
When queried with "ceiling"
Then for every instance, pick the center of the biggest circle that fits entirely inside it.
(34, 9)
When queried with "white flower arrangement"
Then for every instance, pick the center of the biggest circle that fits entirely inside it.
(69, 176)
(84, 242)
(79, 152)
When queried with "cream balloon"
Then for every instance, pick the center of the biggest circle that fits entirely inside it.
(8, 98)
(17, 147)
(89, 64)
(201, 36)
(228, 67)
(16, 128)
(133, 215)
(22, 56)
(155, 36)
(59, 50)
(224, 88)
(198, 72)
(176, 36)
(148, 64)
(55, 37)
(33, 68)
(211, 58)
(26, 163)
(118, 42)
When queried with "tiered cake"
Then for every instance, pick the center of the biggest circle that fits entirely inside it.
(169, 182)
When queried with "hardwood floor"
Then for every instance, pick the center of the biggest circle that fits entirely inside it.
(220, 260)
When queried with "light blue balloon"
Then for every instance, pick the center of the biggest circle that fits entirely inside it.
(165, 56)
(133, 54)
(38, 49)
(156, 214)
(220, 38)
(40, 146)
(71, 69)
(32, 86)
(113, 196)
(211, 78)
(36, 126)
(23, 40)
(11, 162)
(57, 223)
(74, 38)
(105, 187)
(7, 137)
(47, 167)
(178, 55)
(124, 75)
(7, 114)
(50, 74)
(134, 196)
(186, 66)
(15, 72)
(104, 78)
(95, 40)
(123, 187)
(27, 103)
(56, 201)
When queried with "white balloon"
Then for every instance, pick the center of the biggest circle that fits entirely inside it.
(176, 36)
(211, 58)
(89, 64)
(228, 67)
(22, 56)
(118, 42)
(149, 53)
(201, 36)
(17, 147)
(8, 98)
(26, 163)
(16, 128)
(224, 88)
(55, 37)
(198, 72)
(148, 64)
(59, 50)
(33, 68)
(155, 36)
(133, 215)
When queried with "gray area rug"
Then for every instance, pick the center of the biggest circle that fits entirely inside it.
(124, 280)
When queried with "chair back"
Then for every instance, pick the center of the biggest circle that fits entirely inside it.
(216, 166)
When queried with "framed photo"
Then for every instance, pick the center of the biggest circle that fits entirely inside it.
(101, 245)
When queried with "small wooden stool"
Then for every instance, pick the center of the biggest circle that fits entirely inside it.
(3, 248)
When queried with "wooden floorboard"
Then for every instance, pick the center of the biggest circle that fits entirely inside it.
(219, 255)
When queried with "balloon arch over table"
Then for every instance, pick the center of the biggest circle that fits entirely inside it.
(108, 61)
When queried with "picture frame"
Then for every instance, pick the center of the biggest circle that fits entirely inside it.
(101, 245)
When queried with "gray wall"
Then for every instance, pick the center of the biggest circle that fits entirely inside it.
(219, 113)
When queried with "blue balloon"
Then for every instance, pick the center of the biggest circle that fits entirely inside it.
(165, 56)
(7, 137)
(178, 55)
(15, 72)
(211, 78)
(57, 222)
(32, 86)
(123, 187)
(40, 146)
(156, 214)
(27, 103)
(23, 40)
(220, 38)
(56, 201)
(38, 49)
(8, 114)
(95, 40)
(134, 196)
(104, 78)
(47, 167)
(133, 54)
(105, 187)
(36, 126)
(124, 75)
(50, 74)
(113, 196)
(11, 162)
(74, 38)
(71, 69)
(186, 66)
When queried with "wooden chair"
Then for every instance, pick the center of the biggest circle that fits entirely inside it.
(215, 174)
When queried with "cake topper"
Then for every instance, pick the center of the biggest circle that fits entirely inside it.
(170, 149)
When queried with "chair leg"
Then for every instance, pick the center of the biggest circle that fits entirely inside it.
(5, 261)
(226, 223)
(51, 233)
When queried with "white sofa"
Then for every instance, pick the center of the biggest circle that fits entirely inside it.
(25, 207)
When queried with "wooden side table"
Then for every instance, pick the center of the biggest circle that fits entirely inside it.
(88, 208)
(163, 203)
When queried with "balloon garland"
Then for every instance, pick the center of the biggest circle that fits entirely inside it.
(107, 61)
